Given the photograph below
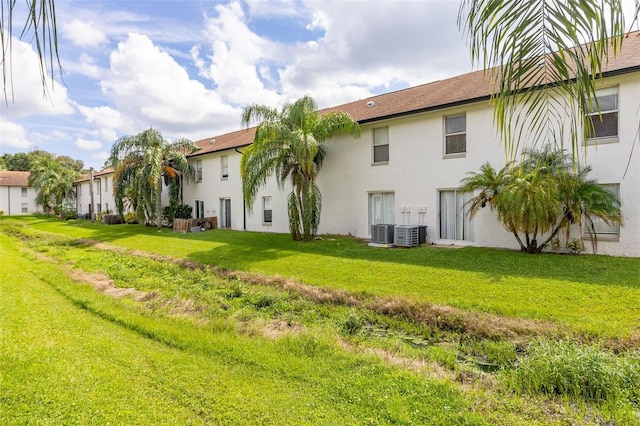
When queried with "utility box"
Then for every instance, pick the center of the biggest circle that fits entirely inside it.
(382, 233)
(407, 235)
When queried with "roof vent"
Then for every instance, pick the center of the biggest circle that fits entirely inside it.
(212, 141)
(370, 103)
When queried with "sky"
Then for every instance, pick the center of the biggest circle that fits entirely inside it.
(187, 68)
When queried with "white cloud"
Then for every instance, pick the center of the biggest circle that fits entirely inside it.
(87, 145)
(83, 33)
(26, 94)
(237, 54)
(111, 123)
(150, 88)
(13, 135)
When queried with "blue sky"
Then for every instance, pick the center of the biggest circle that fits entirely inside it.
(187, 68)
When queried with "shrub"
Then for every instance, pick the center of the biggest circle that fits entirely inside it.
(176, 211)
(130, 218)
(352, 324)
(567, 368)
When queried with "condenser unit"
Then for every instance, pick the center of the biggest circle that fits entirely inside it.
(382, 234)
(406, 236)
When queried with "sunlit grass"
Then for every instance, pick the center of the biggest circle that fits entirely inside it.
(331, 358)
(69, 354)
(591, 294)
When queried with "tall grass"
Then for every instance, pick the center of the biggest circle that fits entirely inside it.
(578, 371)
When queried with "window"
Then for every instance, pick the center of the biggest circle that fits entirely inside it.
(381, 208)
(199, 210)
(381, 145)
(25, 208)
(455, 134)
(454, 216)
(267, 218)
(79, 189)
(603, 127)
(24, 192)
(224, 166)
(225, 212)
(199, 171)
(603, 230)
(106, 184)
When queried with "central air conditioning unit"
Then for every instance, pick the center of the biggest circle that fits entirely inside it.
(382, 234)
(407, 236)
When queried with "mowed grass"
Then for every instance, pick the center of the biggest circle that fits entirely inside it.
(595, 295)
(71, 355)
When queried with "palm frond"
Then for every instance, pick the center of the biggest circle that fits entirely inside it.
(545, 54)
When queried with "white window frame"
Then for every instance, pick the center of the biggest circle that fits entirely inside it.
(24, 192)
(453, 216)
(198, 171)
(603, 231)
(224, 167)
(379, 138)
(24, 208)
(267, 211)
(382, 209)
(449, 134)
(106, 184)
(605, 111)
(199, 209)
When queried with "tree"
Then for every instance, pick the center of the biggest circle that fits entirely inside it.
(289, 144)
(540, 196)
(53, 181)
(546, 55)
(142, 163)
(39, 26)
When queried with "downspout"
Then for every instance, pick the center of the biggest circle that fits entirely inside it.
(92, 206)
(244, 204)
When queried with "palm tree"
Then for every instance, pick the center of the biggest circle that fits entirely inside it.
(53, 181)
(289, 144)
(541, 196)
(141, 164)
(547, 55)
(40, 26)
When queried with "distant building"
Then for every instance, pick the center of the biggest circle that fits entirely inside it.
(16, 196)
(102, 193)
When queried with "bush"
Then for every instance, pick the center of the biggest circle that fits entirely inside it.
(176, 211)
(68, 213)
(570, 369)
(130, 218)
(352, 324)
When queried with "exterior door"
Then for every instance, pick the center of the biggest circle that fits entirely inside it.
(454, 216)
(225, 212)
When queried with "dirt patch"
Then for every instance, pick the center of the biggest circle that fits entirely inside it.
(277, 328)
(105, 285)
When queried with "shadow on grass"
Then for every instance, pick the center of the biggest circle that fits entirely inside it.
(236, 250)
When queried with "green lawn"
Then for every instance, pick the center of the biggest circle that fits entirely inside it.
(69, 355)
(189, 346)
(597, 295)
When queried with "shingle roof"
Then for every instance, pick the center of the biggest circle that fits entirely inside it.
(8, 178)
(467, 88)
(86, 177)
